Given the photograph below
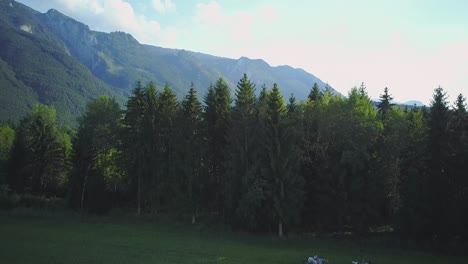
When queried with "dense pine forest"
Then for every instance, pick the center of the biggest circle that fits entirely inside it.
(329, 164)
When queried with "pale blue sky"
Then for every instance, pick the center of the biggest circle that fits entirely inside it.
(410, 46)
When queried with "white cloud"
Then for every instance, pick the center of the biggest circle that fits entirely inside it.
(163, 6)
(328, 40)
(243, 30)
(210, 14)
(109, 16)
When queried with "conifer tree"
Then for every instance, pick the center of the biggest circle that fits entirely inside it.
(141, 141)
(281, 170)
(245, 187)
(217, 118)
(385, 104)
(292, 106)
(315, 94)
(167, 114)
(439, 198)
(412, 216)
(190, 151)
(457, 167)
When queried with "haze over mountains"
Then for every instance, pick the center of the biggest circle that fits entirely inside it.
(56, 60)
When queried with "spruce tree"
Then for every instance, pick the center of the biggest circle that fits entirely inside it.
(281, 169)
(457, 167)
(412, 217)
(315, 94)
(292, 106)
(141, 141)
(168, 110)
(245, 188)
(190, 151)
(385, 104)
(439, 197)
(217, 118)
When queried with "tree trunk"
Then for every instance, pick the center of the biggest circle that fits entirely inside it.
(83, 189)
(139, 195)
(280, 229)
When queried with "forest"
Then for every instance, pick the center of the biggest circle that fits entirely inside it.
(259, 163)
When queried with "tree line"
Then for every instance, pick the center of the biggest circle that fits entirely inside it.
(258, 163)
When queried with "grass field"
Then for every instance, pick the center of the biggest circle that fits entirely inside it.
(53, 239)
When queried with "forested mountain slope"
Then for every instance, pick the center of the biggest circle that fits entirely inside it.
(120, 60)
(34, 68)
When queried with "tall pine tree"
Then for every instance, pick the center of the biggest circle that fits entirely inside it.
(217, 118)
(245, 188)
(439, 198)
(284, 183)
(190, 152)
(141, 141)
(168, 110)
(385, 104)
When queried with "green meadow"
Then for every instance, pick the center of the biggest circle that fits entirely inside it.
(61, 238)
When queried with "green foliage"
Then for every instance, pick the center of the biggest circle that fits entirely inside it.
(362, 184)
(439, 188)
(330, 164)
(39, 161)
(391, 145)
(385, 104)
(284, 183)
(96, 156)
(168, 112)
(245, 185)
(412, 220)
(37, 70)
(315, 94)
(194, 180)
(7, 137)
(140, 142)
(217, 118)
(107, 163)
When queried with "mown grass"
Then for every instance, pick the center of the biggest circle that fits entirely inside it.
(68, 238)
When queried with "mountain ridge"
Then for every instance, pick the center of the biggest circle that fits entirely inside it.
(152, 63)
(35, 68)
(77, 64)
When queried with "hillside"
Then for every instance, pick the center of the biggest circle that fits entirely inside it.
(53, 59)
(34, 68)
(120, 60)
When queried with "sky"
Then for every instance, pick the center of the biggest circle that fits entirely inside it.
(409, 46)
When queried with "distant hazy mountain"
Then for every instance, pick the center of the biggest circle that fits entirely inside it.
(54, 59)
(413, 102)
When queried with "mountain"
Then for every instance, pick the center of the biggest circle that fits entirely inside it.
(119, 60)
(409, 104)
(34, 68)
(54, 59)
(414, 103)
